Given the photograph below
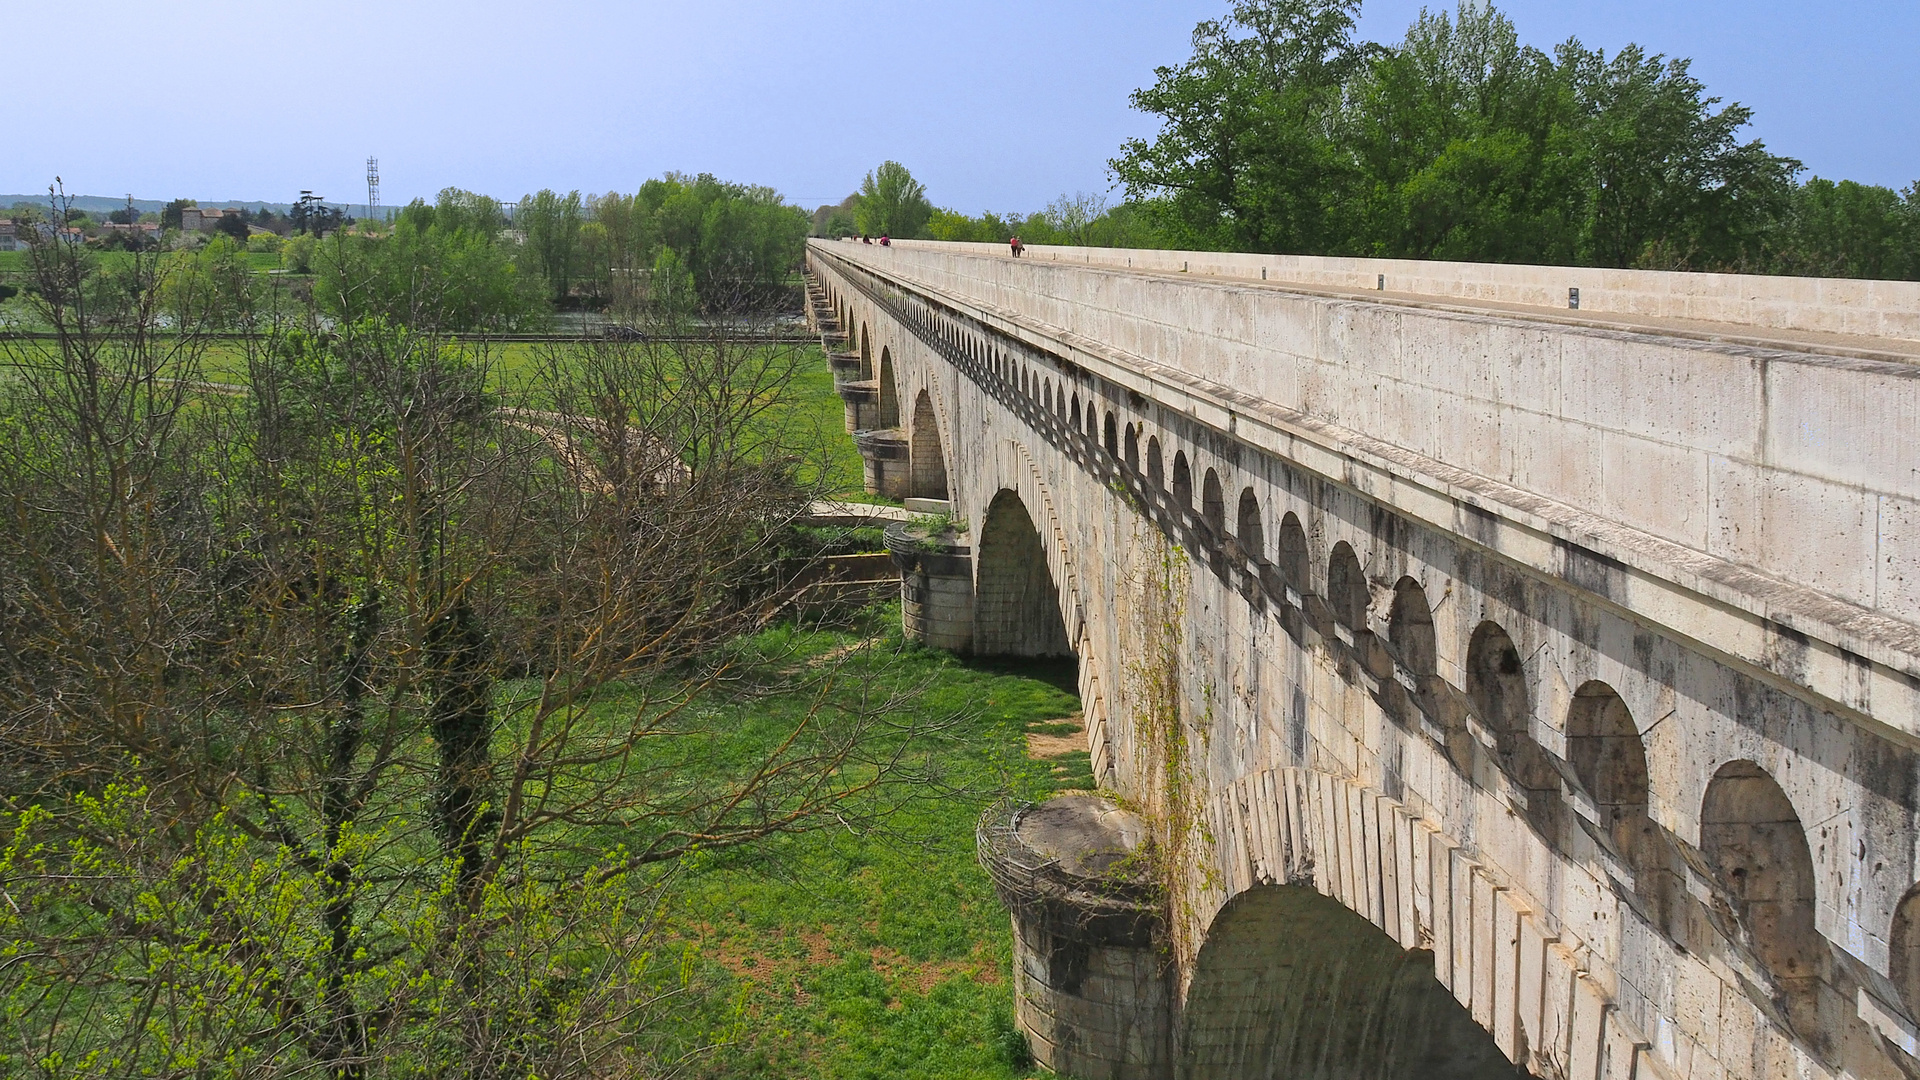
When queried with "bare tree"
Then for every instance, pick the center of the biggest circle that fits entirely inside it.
(358, 716)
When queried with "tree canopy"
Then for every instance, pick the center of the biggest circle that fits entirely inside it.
(892, 203)
(1282, 132)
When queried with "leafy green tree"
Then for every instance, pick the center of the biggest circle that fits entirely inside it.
(1247, 155)
(742, 244)
(296, 253)
(234, 226)
(551, 224)
(892, 203)
(1461, 137)
(170, 213)
(1669, 184)
(1281, 133)
(211, 287)
(435, 271)
(1847, 229)
(455, 208)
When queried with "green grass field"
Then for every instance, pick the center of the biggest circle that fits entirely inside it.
(887, 955)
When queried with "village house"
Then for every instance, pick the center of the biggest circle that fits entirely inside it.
(203, 219)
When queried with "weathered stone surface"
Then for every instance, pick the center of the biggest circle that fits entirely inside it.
(1090, 981)
(1688, 509)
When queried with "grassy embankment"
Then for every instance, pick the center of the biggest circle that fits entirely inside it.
(887, 955)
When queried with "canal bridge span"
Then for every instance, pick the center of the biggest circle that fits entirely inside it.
(1575, 649)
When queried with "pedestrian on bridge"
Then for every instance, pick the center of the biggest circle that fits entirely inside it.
(1016, 245)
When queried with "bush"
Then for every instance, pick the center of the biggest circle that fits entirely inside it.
(296, 253)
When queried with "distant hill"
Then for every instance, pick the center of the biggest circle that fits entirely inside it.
(104, 203)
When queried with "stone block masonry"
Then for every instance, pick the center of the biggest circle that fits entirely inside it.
(1563, 665)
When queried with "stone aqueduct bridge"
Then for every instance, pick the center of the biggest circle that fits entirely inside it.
(1577, 650)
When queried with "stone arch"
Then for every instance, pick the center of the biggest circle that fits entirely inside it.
(1060, 402)
(1248, 529)
(889, 392)
(1156, 473)
(1110, 436)
(1292, 555)
(866, 352)
(1182, 482)
(1074, 417)
(1133, 447)
(927, 458)
(1497, 692)
(1903, 939)
(1016, 603)
(1290, 983)
(1753, 838)
(1347, 588)
(1610, 761)
(1410, 629)
(1213, 505)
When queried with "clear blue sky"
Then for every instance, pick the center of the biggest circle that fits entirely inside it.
(999, 104)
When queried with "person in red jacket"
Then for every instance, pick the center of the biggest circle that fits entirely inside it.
(1016, 245)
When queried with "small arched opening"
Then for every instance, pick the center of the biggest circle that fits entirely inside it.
(1410, 629)
(889, 395)
(1751, 835)
(1156, 473)
(1046, 394)
(1133, 447)
(866, 353)
(1347, 588)
(1610, 761)
(1182, 482)
(1497, 692)
(1292, 556)
(929, 464)
(1016, 605)
(1074, 417)
(1213, 505)
(1111, 437)
(1290, 983)
(1247, 528)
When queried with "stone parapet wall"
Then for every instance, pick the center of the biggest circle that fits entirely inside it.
(1883, 309)
(1798, 465)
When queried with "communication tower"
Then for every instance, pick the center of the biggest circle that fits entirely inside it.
(373, 187)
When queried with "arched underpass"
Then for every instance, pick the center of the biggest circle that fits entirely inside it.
(1291, 985)
(1017, 607)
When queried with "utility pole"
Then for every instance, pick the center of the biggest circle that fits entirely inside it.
(373, 188)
